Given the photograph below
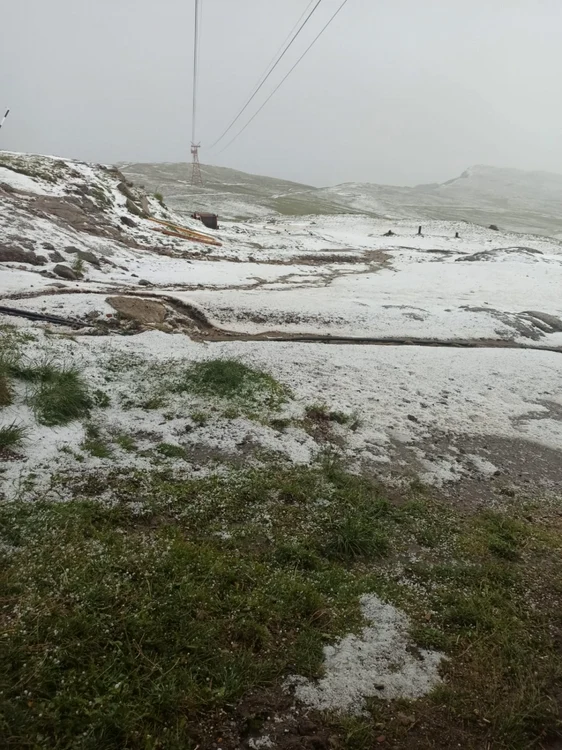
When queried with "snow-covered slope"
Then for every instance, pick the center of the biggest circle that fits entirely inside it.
(513, 199)
(484, 304)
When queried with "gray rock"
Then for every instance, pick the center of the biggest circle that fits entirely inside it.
(494, 227)
(71, 249)
(11, 254)
(124, 189)
(65, 272)
(88, 257)
(56, 257)
(544, 321)
(48, 245)
(133, 208)
(128, 222)
(144, 282)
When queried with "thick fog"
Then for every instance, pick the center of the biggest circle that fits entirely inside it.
(395, 91)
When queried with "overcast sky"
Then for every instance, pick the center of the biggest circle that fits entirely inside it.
(396, 91)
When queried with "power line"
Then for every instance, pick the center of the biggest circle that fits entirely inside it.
(253, 96)
(338, 11)
(281, 48)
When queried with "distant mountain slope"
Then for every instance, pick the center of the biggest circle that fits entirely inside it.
(232, 194)
(513, 199)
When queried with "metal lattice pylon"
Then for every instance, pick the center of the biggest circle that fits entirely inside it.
(196, 176)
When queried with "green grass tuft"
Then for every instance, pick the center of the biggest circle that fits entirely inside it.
(11, 436)
(6, 390)
(61, 397)
(126, 442)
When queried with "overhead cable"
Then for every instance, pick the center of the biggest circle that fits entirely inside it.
(301, 58)
(268, 75)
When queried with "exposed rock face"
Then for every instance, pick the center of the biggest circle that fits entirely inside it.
(65, 272)
(143, 311)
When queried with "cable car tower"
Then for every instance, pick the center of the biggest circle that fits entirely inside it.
(196, 177)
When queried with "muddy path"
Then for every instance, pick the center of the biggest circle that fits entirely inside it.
(193, 321)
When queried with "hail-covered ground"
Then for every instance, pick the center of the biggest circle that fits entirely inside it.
(354, 404)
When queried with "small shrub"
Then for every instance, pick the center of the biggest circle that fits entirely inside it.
(160, 198)
(11, 436)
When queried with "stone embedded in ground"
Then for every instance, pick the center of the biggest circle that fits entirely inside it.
(128, 222)
(65, 272)
(144, 282)
(56, 257)
(143, 311)
(11, 254)
(377, 663)
(88, 257)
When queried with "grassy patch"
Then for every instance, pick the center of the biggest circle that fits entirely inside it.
(233, 380)
(95, 444)
(78, 267)
(124, 631)
(155, 614)
(200, 418)
(171, 451)
(11, 436)
(103, 199)
(321, 413)
(126, 442)
(160, 198)
(61, 398)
